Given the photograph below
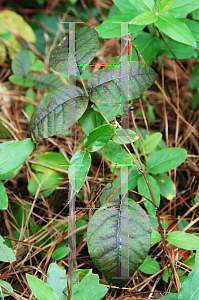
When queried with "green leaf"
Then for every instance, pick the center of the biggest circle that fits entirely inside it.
(149, 266)
(49, 180)
(131, 134)
(154, 221)
(6, 253)
(165, 223)
(103, 238)
(166, 159)
(166, 274)
(88, 120)
(182, 224)
(124, 5)
(21, 64)
(166, 186)
(30, 94)
(144, 190)
(111, 28)
(78, 169)
(7, 143)
(143, 4)
(190, 261)
(99, 137)
(7, 287)
(182, 8)
(151, 142)
(109, 111)
(57, 112)
(14, 154)
(190, 287)
(89, 288)
(38, 65)
(19, 214)
(158, 5)
(78, 275)
(29, 110)
(148, 46)
(94, 118)
(57, 280)
(180, 50)
(145, 18)
(170, 297)
(155, 237)
(60, 252)
(17, 22)
(183, 240)
(164, 6)
(150, 113)
(194, 84)
(197, 257)
(32, 56)
(105, 85)
(113, 152)
(51, 159)
(196, 198)
(195, 100)
(193, 26)
(40, 289)
(3, 197)
(7, 175)
(175, 29)
(20, 81)
(87, 44)
(195, 14)
(48, 82)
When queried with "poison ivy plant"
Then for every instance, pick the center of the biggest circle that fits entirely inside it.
(61, 108)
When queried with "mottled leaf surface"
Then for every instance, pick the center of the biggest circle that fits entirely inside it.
(57, 112)
(104, 233)
(105, 85)
(86, 46)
